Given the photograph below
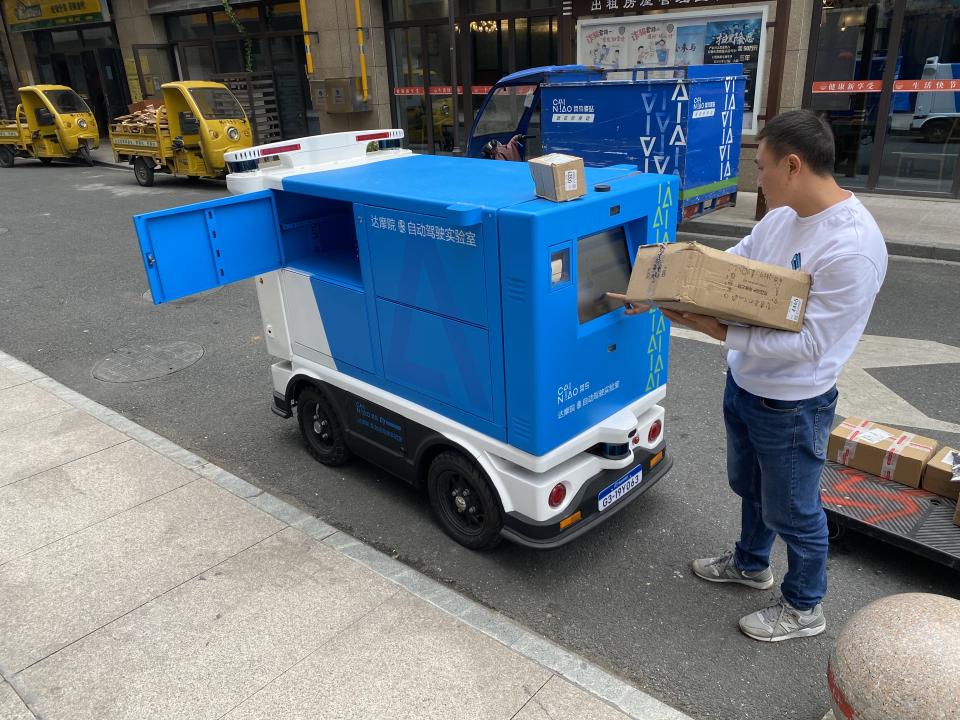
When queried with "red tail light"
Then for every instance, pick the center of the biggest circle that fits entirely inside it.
(557, 495)
(654, 432)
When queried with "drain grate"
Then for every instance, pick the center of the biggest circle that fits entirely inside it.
(146, 362)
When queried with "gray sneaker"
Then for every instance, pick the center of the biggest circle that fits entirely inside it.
(782, 622)
(724, 569)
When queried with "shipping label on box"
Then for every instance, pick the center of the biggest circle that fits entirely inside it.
(880, 450)
(558, 177)
(690, 277)
(942, 475)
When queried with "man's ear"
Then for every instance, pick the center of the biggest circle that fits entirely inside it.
(794, 164)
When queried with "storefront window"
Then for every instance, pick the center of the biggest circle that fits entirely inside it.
(923, 128)
(852, 48)
(403, 10)
(187, 27)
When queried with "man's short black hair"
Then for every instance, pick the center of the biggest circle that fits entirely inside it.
(804, 134)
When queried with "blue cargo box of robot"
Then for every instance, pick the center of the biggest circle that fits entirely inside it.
(688, 126)
(443, 288)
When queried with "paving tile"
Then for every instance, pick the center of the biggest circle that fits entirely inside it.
(11, 706)
(23, 404)
(9, 378)
(61, 592)
(59, 502)
(43, 444)
(201, 649)
(406, 660)
(561, 700)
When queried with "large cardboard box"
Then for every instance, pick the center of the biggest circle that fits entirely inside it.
(558, 177)
(942, 474)
(690, 277)
(880, 450)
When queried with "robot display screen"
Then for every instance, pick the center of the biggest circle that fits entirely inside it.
(603, 265)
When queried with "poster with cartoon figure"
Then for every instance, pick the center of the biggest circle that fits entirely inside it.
(705, 37)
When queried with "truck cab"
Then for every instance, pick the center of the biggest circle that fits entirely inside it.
(937, 112)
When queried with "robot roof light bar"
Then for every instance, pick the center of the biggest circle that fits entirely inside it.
(264, 166)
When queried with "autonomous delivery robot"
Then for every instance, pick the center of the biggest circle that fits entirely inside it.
(435, 317)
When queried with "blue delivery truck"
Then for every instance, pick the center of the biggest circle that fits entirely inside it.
(435, 317)
(684, 121)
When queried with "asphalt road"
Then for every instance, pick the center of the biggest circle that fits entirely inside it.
(72, 292)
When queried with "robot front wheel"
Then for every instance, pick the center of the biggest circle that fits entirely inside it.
(463, 501)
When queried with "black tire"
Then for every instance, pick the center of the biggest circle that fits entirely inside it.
(937, 131)
(83, 152)
(143, 171)
(46, 161)
(6, 157)
(321, 428)
(463, 501)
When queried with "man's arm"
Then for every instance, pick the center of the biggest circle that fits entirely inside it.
(841, 293)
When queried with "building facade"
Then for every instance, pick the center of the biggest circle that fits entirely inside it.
(884, 73)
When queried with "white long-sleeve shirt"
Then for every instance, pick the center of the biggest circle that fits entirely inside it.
(844, 252)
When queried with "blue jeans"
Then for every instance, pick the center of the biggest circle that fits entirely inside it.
(776, 450)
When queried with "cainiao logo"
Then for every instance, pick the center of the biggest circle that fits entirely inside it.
(564, 111)
(703, 108)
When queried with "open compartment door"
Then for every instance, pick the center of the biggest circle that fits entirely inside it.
(197, 247)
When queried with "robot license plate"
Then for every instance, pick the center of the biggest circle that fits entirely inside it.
(612, 493)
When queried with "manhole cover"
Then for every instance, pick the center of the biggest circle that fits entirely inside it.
(145, 362)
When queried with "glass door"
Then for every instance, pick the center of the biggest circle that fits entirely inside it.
(847, 80)
(409, 87)
(196, 60)
(923, 125)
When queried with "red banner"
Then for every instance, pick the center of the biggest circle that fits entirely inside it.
(875, 86)
(440, 90)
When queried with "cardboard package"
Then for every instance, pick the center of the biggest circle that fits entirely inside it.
(691, 277)
(558, 177)
(880, 450)
(942, 474)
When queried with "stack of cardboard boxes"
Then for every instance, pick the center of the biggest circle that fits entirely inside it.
(892, 454)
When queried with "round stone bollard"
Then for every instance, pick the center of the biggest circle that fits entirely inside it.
(898, 659)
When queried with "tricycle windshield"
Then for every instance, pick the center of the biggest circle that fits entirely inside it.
(66, 101)
(506, 107)
(216, 103)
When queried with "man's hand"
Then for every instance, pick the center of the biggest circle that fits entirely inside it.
(629, 308)
(701, 323)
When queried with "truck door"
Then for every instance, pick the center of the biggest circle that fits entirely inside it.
(197, 247)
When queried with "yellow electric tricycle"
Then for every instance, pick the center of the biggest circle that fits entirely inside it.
(188, 135)
(52, 123)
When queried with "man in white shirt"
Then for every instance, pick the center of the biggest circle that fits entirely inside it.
(781, 390)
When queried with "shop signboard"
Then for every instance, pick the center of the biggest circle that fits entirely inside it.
(709, 37)
(24, 15)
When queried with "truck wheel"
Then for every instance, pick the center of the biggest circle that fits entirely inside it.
(321, 428)
(463, 501)
(83, 152)
(46, 161)
(6, 156)
(937, 131)
(143, 170)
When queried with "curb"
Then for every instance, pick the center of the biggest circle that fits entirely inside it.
(625, 697)
(723, 236)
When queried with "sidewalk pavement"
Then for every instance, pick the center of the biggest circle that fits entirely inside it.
(139, 581)
(912, 226)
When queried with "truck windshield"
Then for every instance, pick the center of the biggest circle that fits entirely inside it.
(506, 107)
(216, 103)
(66, 101)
